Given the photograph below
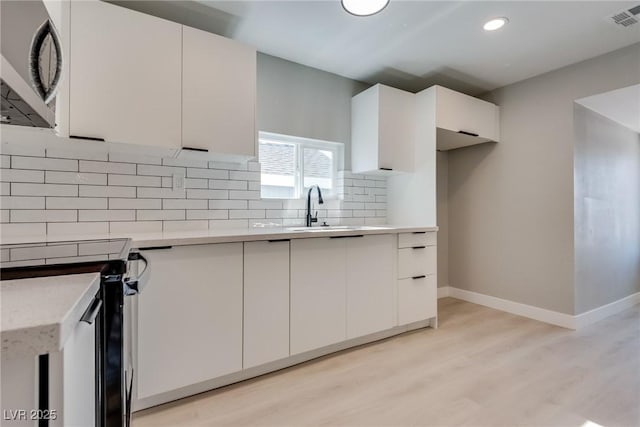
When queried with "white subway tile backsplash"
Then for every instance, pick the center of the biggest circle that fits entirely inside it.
(42, 163)
(228, 204)
(42, 215)
(228, 166)
(160, 193)
(75, 191)
(195, 183)
(208, 214)
(245, 195)
(16, 149)
(106, 191)
(106, 215)
(280, 213)
(207, 194)
(160, 170)
(54, 177)
(160, 214)
(119, 203)
(184, 225)
(244, 176)
(135, 227)
(5, 161)
(136, 181)
(248, 213)
(23, 229)
(77, 153)
(265, 204)
(121, 157)
(76, 203)
(227, 185)
(207, 173)
(228, 223)
(78, 228)
(21, 202)
(186, 162)
(107, 167)
(184, 204)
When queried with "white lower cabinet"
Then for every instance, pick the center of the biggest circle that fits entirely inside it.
(318, 289)
(370, 284)
(266, 302)
(417, 279)
(417, 299)
(189, 317)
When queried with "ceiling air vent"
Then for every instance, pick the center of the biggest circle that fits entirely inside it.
(627, 17)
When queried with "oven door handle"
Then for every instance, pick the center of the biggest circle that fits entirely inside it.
(92, 311)
(135, 286)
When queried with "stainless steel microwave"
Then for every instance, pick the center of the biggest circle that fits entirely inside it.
(31, 65)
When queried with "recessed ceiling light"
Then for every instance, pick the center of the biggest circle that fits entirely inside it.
(495, 24)
(364, 7)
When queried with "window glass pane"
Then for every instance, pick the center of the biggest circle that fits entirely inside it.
(318, 168)
(278, 162)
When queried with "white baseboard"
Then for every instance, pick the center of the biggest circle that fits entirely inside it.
(530, 311)
(599, 313)
(443, 292)
(543, 315)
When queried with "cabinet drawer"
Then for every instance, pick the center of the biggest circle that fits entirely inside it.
(408, 240)
(416, 261)
(417, 299)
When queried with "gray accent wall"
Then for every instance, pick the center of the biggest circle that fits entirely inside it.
(510, 204)
(297, 100)
(607, 210)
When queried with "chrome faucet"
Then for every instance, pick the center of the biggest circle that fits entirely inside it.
(311, 219)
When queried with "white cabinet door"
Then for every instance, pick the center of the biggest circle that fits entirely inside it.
(219, 94)
(189, 317)
(318, 293)
(78, 381)
(417, 299)
(382, 130)
(266, 302)
(125, 75)
(458, 112)
(370, 284)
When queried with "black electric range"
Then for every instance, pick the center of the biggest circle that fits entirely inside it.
(110, 258)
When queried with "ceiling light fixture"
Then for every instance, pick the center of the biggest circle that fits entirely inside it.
(495, 24)
(364, 7)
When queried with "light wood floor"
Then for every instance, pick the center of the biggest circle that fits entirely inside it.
(482, 367)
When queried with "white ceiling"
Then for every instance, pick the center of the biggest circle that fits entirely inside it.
(620, 105)
(414, 44)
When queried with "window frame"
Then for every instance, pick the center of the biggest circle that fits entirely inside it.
(300, 143)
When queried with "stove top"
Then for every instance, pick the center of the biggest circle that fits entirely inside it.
(55, 258)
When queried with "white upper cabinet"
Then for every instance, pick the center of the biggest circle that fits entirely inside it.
(463, 120)
(218, 94)
(382, 130)
(125, 75)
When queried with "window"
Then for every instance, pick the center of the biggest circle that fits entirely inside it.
(290, 165)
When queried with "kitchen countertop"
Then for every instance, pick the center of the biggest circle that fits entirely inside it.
(199, 237)
(39, 314)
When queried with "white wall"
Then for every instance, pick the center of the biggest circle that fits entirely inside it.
(607, 210)
(511, 216)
